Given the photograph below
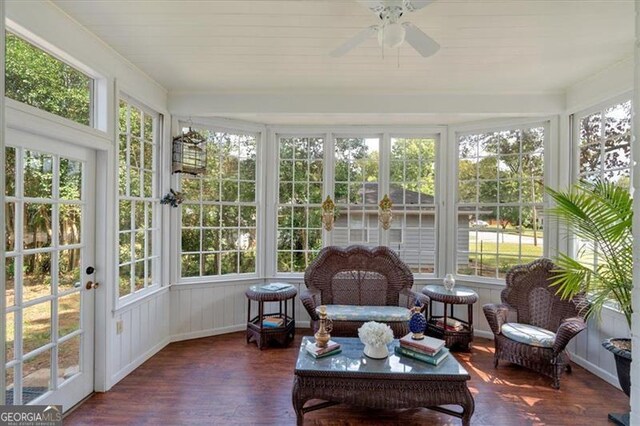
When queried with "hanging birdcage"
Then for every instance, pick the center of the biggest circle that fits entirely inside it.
(189, 153)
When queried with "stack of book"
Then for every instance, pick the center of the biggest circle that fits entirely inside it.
(332, 348)
(429, 349)
(272, 322)
(452, 325)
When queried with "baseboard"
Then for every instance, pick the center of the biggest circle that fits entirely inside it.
(594, 369)
(303, 324)
(136, 363)
(208, 332)
(483, 333)
(223, 330)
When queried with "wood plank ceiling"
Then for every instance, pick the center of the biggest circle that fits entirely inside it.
(501, 46)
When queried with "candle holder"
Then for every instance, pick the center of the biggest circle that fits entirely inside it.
(322, 336)
(328, 213)
(385, 212)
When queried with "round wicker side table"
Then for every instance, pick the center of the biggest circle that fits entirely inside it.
(454, 331)
(281, 293)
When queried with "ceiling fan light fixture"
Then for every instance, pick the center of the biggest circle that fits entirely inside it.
(391, 35)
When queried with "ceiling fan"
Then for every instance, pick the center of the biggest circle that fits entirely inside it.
(390, 32)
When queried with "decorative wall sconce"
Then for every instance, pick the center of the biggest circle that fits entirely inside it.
(328, 213)
(385, 212)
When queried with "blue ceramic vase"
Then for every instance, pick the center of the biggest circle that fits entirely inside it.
(417, 322)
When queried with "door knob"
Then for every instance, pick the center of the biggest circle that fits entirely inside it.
(91, 284)
(90, 270)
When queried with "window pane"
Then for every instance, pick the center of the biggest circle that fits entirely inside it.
(38, 175)
(42, 81)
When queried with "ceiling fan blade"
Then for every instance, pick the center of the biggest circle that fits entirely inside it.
(412, 5)
(425, 45)
(376, 6)
(355, 41)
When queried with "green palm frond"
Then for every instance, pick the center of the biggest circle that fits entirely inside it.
(599, 213)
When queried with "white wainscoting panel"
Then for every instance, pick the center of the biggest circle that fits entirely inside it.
(145, 330)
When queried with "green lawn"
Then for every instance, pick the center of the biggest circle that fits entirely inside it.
(484, 262)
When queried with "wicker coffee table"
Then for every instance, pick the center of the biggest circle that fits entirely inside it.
(395, 382)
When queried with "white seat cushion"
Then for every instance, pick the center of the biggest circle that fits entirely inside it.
(529, 334)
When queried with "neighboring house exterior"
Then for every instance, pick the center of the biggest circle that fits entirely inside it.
(413, 229)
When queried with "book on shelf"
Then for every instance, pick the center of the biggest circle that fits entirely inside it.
(317, 352)
(272, 322)
(428, 345)
(433, 360)
(452, 325)
(275, 286)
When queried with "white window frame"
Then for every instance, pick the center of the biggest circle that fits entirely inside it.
(575, 130)
(156, 273)
(229, 126)
(574, 172)
(276, 186)
(98, 112)
(438, 197)
(550, 133)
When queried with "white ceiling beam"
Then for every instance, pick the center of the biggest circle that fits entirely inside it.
(204, 105)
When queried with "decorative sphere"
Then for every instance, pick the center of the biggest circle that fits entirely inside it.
(392, 35)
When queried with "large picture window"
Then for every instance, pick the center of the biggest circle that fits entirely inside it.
(500, 200)
(36, 78)
(299, 201)
(356, 163)
(219, 214)
(138, 202)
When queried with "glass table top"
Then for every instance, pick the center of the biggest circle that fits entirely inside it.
(270, 288)
(352, 361)
(457, 291)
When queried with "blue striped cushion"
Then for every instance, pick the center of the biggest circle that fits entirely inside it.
(368, 313)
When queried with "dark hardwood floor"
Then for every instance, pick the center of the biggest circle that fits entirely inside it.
(223, 381)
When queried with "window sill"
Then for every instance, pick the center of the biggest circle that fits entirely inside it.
(137, 298)
(236, 279)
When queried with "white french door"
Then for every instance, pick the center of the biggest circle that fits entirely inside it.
(50, 228)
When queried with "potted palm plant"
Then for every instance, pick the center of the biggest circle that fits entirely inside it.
(600, 214)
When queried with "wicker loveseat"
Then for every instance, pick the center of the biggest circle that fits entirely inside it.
(359, 284)
(533, 325)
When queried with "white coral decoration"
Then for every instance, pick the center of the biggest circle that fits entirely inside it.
(375, 334)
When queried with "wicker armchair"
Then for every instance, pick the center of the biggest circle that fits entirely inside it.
(357, 280)
(528, 301)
